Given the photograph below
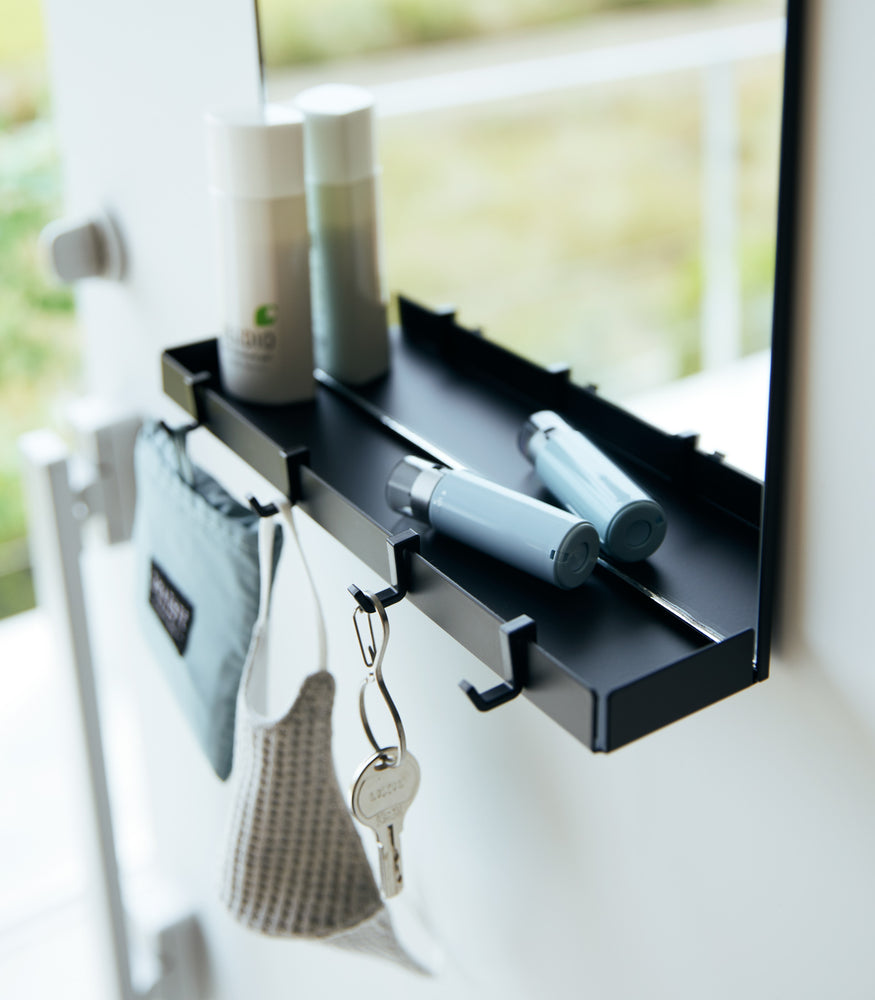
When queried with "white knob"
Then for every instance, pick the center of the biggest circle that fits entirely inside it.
(82, 248)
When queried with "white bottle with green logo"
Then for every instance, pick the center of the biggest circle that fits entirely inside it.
(255, 161)
(349, 304)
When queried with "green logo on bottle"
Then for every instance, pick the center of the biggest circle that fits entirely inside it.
(265, 315)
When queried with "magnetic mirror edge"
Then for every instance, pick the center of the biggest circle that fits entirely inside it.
(783, 318)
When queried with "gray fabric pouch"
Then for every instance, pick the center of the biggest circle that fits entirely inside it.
(197, 572)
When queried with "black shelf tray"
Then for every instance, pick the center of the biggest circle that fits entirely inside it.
(633, 649)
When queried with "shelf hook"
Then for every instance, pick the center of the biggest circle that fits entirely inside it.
(293, 461)
(400, 548)
(515, 637)
(182, 431)
(195, 383)
(263, 510)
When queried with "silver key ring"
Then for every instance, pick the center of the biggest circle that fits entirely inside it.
(373, 660)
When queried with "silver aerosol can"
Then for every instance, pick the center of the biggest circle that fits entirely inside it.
(343, 203)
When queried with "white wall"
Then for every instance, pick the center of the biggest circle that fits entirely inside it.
(729, 855)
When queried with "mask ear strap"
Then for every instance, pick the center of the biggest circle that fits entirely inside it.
(266, 535)
(253, 685)
(285, 509)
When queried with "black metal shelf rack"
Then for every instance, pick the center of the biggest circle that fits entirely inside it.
(633, 649)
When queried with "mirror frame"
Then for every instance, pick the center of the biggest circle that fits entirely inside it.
(783, 323)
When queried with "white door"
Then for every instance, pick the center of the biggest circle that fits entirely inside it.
(728, 855)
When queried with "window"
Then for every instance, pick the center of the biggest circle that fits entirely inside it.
(599, 191)
(38, 343)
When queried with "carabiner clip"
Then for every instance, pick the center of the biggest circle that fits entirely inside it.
(369, 655)
(373, 659)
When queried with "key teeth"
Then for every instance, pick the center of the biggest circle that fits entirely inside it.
(390, 867)
(391, 876)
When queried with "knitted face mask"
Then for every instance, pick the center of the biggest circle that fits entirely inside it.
(294, 864)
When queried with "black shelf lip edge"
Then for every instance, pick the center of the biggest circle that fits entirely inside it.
(682, 688)
(670, 455)
(602, 723)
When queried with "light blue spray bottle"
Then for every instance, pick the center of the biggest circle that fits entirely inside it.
(631, 524)
(536, 537)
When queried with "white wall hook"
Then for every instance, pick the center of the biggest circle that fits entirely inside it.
(84, 247)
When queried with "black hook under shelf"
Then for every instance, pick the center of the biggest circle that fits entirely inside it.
(294, 460)
(263, 510)
(400, 546)
(515, 637)
(182, 431)
(194, 381)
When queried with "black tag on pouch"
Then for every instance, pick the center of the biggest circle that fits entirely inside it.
(173, 610)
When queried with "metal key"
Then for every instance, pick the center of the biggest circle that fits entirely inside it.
(381, 794)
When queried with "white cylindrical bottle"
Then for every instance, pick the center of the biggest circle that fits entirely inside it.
(349, 306)
(255, 162)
